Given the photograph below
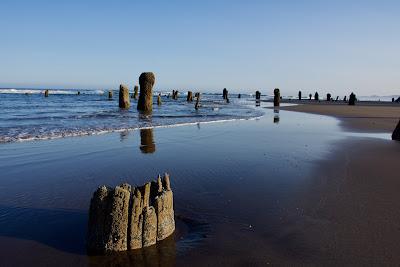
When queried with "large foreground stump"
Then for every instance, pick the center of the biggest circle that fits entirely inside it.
(146, 82)
(277, 97)
(126, 218)
(124, 101)
(396, 132)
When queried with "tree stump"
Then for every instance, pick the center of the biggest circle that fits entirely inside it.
(146, 82)
(277, 97)
(124, 101)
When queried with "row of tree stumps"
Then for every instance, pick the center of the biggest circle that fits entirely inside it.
(145, 101)
(352, 98)
(127, 218)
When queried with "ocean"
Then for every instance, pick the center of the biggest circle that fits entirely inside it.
(27, 115)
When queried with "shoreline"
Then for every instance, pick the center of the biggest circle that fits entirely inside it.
(369, 117)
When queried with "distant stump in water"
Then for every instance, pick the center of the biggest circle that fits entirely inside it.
(189, 96)
(126, 217)
(135, 92)
(46, 93)
(110, 94)
(396, 132)
(225, 94)
(277, 97)
(146, 82)
(124, 101)
(159, 101)
(258, 95)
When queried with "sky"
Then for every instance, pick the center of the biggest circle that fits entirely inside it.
(326, 46)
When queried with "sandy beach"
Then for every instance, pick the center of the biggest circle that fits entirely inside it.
(363, 117)
(319, 197)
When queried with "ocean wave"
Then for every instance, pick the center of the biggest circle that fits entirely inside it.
(75, 133)
(51, 92)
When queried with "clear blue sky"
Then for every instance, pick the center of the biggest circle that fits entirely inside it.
(337, 46)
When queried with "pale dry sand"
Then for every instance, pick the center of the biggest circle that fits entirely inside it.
(367, 117)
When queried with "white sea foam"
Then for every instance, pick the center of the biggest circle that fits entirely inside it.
(102, 131)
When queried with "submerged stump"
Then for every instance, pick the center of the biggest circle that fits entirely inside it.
(127, 218)
(110, 94)
(46, 93)
(124, 101)
(146, 82)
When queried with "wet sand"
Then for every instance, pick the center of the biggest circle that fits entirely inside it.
(363, 117)
(288, 189)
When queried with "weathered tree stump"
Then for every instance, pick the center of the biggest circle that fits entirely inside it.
(299, 95)
(277, 97)
(127, 218)
(310, 96)
(110, 94)
(396, 132)
(352, 99)
(146, 82)
(46, 93)
(345, 98)
(124, 101)
(239, 95)
(189, 96)
(316, 96)
(258, 95)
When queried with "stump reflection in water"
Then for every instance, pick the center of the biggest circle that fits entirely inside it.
(147, 144)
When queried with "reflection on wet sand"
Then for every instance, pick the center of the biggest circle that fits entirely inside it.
(276, 116)
(162, 254)
(123, 136)
(147, 144)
